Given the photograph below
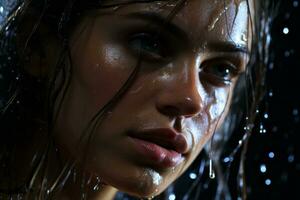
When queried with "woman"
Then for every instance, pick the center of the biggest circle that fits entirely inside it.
(117, 95)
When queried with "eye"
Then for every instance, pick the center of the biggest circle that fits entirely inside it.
(219, 72)
(149, 46)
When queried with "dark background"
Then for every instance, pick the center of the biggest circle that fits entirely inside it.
(273, 164)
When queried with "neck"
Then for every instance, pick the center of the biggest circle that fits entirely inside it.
(80, 184)
(71, 190)
(103, 192)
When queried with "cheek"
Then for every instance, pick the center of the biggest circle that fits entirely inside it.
(218, 106)
(202, 128)
(99, 70)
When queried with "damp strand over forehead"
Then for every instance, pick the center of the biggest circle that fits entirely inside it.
(118, 3)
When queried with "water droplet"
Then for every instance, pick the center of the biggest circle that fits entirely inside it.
(295, 112)
(211, 170)
(291, 158)
(286, 53)
(271, 66)
(172, 197)
(286, 30)
(244, 38)
(263, 168)
(270, 94)
(271, 155)
(266, 115)
(193, 176)
(295, 4)
(268, 182)
(226, 160)
(214, 22)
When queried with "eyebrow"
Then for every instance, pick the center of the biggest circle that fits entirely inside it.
(167, 25)
(158, 20)
(227, 47)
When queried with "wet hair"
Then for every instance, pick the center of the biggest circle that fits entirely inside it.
(29, 102)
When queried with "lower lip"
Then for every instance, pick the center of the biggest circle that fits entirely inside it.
(159, 156)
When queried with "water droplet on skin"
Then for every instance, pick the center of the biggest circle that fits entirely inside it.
(116, 8)
(217, 108)
(213, 23)
(223, 31)
(150, 175)
(173, 169)
(137, 90)
(96, 187)
(157, 179)
(244, 38)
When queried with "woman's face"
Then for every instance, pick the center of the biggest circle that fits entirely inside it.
(188, 69)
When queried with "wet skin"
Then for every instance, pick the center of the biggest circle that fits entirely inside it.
(188, 70)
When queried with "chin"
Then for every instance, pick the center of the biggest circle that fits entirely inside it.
(150, 184)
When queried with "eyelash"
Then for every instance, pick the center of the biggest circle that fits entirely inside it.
(151, 46)
(219, 72)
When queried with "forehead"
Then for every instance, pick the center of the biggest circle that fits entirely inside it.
(201, 20)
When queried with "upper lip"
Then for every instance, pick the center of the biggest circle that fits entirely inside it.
(164, 137)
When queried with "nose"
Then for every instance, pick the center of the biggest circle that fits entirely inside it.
(181, 96)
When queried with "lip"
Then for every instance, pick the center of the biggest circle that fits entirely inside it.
(163, 147)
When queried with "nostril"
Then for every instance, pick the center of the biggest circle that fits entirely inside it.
(185, 108)
(175, 103)
(170, 110)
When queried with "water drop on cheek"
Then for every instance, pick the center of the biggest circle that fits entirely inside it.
(244, 37)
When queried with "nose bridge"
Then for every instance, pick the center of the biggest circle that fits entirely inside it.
(183, 96)
(188, 80)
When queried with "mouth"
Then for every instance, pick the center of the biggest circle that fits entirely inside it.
(163, 147)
